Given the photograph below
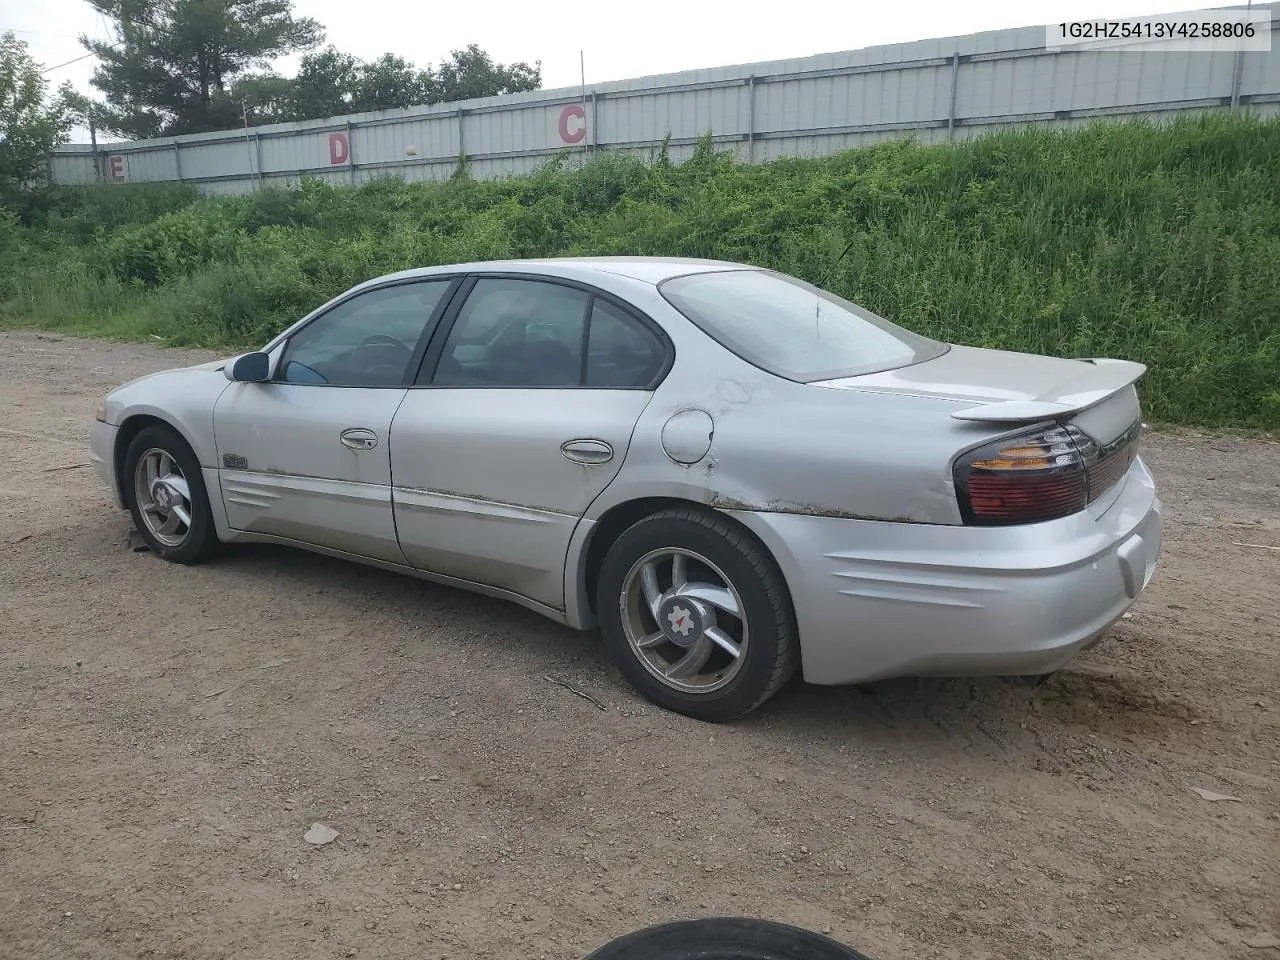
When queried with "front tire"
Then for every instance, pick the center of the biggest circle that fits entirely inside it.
(696, 615)
(167, 498)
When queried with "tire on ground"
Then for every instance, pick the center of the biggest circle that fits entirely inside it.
(773, 651)
(202, 539)
(719, 938)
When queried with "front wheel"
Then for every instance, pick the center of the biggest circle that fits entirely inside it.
(167, 497)
(696, 615)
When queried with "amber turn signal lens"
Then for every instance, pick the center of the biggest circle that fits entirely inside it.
(1036, 476)
(1042, 474)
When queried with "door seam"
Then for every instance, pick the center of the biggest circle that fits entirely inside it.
(391, 470)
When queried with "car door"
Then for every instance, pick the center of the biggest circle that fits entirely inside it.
(524, 420)
(306, 455)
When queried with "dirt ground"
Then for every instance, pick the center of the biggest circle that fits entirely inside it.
(168, 734)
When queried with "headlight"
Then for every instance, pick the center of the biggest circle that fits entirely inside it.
(100, 414)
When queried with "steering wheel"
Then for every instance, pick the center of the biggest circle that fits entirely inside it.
(383, 356)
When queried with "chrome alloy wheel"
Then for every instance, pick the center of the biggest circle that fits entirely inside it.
(684, 620)
(164, 498)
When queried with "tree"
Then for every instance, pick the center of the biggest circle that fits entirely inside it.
(331, 83)
(263, 97)
(472, 73)
(324, 85)
(28, 126)
(168, 69)
(390, 82)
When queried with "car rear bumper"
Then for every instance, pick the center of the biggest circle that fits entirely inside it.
(876, 599)
(102, 444)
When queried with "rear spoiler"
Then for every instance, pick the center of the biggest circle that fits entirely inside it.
(1094, 384)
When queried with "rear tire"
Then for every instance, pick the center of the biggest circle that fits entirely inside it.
(165, 491)
(696, 615)
(725, 939)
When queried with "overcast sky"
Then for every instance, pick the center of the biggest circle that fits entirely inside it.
(619, 40)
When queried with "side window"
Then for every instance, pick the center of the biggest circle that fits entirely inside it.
(366, 341)
(621, 352)
(516, 333)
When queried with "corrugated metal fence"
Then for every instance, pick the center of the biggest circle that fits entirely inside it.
(932, 89)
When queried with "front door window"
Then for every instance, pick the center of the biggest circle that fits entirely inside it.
(366, 341)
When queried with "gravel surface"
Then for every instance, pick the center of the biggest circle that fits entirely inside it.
(170, 735)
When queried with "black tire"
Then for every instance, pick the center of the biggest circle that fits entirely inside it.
(201, 539)
(771, 656)
(725, 939)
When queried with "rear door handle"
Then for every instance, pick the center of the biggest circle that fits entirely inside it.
(587, 451)
(358, 438)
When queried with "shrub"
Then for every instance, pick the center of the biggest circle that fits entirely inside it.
(1157, 243)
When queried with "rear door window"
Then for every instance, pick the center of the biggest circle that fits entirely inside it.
(513, 332)
(516, 333)
(621, 351)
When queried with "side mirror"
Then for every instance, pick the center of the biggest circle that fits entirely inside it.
(249, 368)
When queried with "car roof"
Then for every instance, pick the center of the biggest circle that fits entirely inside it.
(645, 269)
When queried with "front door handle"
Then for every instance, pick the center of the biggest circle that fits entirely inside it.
(587, 451)
(358, 438)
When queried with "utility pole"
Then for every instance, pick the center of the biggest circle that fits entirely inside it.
(582, 73)
(1237, 68)
(93, 142)
(244, 112)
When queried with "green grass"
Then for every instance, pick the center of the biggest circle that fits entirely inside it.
(1152, 243)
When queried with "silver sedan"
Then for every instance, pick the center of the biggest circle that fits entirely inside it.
(734, 474)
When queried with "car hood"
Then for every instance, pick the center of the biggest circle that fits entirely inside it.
(211, 365)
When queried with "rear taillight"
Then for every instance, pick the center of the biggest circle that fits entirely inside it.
(1038, 475)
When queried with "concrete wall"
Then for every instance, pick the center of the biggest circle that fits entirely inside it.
(934, 90)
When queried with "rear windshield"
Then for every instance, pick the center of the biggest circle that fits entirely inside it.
(793, 329)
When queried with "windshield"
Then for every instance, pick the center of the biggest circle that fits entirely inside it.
(793, 329)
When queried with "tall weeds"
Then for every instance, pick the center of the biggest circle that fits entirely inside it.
(1153, 243)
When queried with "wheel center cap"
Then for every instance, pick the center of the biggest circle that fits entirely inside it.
(682, 621)
(162, 495)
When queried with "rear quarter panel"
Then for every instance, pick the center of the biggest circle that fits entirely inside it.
(779, 447)
(788, 447)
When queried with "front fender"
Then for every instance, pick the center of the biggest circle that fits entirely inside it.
(183, 399)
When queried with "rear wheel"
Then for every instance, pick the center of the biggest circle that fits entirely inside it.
(167, 497)
(695, 613)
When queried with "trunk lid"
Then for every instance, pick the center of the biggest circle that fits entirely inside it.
(1007, 392)
(1001, 387)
